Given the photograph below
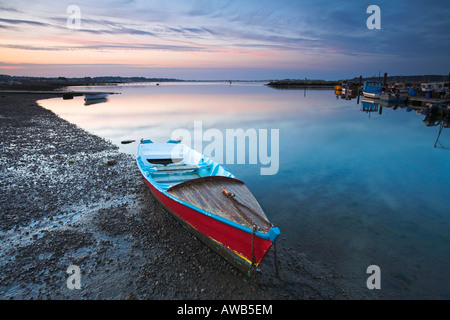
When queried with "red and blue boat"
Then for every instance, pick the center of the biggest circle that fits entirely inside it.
(209, 201)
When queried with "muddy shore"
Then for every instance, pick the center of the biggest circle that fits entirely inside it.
(71, 198)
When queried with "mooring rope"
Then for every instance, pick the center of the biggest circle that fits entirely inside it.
(236, 202)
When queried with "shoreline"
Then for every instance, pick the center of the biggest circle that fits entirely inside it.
(64, 205)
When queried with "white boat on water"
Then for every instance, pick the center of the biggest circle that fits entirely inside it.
(433, 86)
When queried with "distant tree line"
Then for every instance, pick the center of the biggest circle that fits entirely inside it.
(102, 79)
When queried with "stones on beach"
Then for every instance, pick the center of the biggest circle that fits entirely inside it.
(111, 162)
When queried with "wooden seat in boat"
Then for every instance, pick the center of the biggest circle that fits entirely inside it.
(177, 168)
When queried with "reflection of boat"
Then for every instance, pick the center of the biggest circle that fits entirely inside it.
(88, 102)
(349, 96)
(369, 105)
(337, 90)
(446, 117)
(436, 113)
(209, 201)
(93, 98)
(393, 97)
(67, 96)
(372, 89)
(393, 105)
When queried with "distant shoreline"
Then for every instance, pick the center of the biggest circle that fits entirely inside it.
(409, 80)
(40, 85)
(303, 84)
(8, 82)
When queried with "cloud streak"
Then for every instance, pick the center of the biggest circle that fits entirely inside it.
(296, 33)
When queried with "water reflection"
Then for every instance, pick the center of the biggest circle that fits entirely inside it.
(436, 114)
(88, 102)
(393, 105)
(349, 192)
(347, 94)
(376, 105)
(150, 111)
(370, 105)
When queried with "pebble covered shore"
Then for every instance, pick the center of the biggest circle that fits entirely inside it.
(68, 197)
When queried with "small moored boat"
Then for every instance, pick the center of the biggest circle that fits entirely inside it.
(372, 89)
(95, 96)
(209, 201)
(350, 88)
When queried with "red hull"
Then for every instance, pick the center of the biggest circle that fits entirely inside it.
(223, 237)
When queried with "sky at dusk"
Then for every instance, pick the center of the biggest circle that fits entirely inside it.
(220, 40)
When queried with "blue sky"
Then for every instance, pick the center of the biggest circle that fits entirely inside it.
(224, 39)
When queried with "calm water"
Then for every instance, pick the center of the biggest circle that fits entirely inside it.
(353, 188)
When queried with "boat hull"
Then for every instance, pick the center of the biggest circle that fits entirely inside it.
(243, 248)
(372, 95)
(372, 89)
(95, 96)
